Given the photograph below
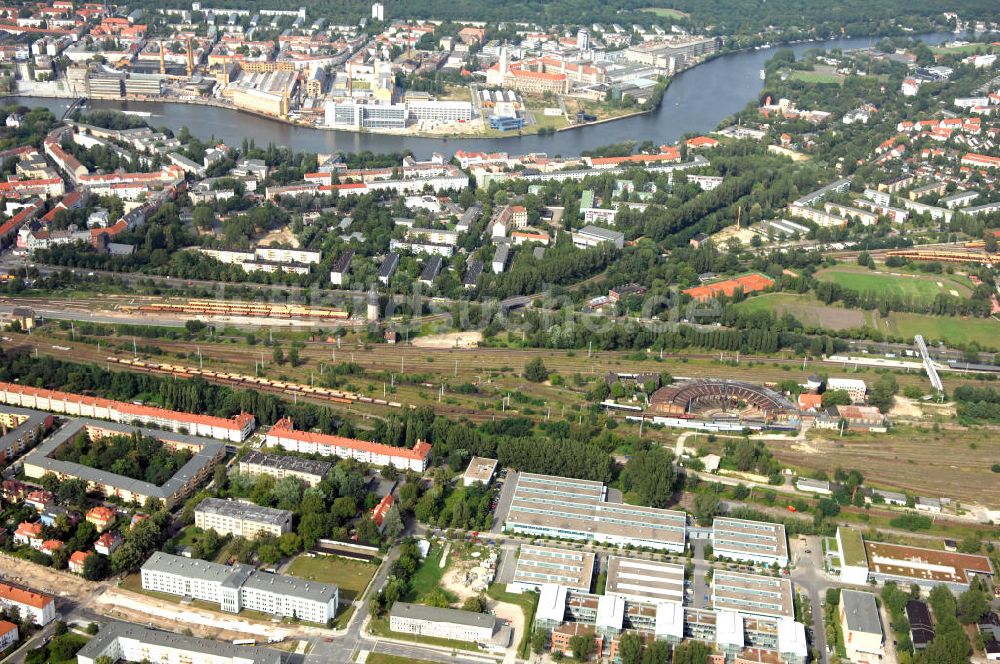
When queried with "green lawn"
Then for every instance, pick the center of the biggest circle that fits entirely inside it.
(809, 311)
(351, 576)
(967, 49)
(921, 288)
(816, 76)
(665, 12)
(428, 577)
(382, 658)
(953, 331)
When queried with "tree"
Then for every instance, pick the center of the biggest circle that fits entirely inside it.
(836, 398)
(650, 473)
(535, 370)
(657, 652)
(392, 523)
(475, 604)
(972, 605)
(582, 646)
(691, 652)
(630, 648)
(278, 355)
(706, 506)
(293, 357)
(95, 567)
(290, 543)
(539, 641)
(72, 492)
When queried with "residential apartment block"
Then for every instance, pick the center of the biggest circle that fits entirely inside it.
(39, 606)
(283, 435)
(751, 541)
(309, 471)
(238, 587)
(240, 519)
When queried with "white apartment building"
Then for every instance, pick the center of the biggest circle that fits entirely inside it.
(441, 623)
(440, 111)
(41, 607)
(751, 541)
(239, 587)
(133, 643)
(279, 255)
(855, 387)
(239, 519)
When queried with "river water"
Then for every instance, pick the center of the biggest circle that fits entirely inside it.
(696, 101)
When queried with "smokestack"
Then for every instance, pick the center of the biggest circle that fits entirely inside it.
(163, 62)
(190, 57)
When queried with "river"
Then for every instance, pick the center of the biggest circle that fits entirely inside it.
(696, 101)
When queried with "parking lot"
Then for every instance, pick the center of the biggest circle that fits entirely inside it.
(501, 503)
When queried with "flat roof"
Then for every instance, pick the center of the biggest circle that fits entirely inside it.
(578, 510)
(207, 451)
(852, 547)
(741, 536)
(729, 629)
(439, 615)
(480, 469)
(670, 620)
(290, 463)
(753, 594)
(860, 612)
(569, 568)
(792, 638)
(111, 631)
(645, 580)
(603, 233)
(925, 564)
(237, 509)
(610, 611)
(552, 603)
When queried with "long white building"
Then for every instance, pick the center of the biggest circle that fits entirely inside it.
(133, 643)
(238, 587)
(751, 541)
(450, 624)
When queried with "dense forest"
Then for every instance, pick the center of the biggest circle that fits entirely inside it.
(855, 17)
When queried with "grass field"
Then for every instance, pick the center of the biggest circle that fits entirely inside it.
(816, 76)
(965, 49)
(951, 463)
(664, 12)
(809, 311)
(351, 576)
(953, 331)
(382, 658)
(428, 576)
(919, 288)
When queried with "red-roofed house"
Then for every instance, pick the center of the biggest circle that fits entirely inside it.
(40, 608)
(107, 543)
(8, 634)
(810, 401)
(39, 499)
(49, 547)
(77, 560)
(380, 510)
(102, 517)
(700, 142)
(29, 533)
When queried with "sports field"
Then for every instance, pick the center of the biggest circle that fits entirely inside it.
(809, 311)
(665, 12)
(895, 284)
(826, 75)
(951, 330)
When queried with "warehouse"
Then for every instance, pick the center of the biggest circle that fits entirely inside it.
(572, 509)
(752, 594)
(925, 567)
(541, 565)
(751, 541)
(645, 581)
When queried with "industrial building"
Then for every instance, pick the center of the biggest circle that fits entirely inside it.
(751, 541)
(752, 594)
(925, 567)
(541, 565)
(592, 236)
(644, 581)
(241, 519)
(572, 509)
(238, 587)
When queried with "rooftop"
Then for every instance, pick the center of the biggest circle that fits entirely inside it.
(645, 580)
(860, 612)
(112, 631)
(480, 469)
(290, 463)
(925, 564)
(235, 509)
(438, 615)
